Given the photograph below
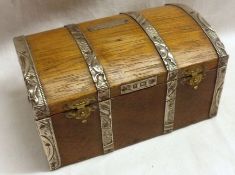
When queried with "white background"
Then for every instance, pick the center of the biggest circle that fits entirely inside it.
(204, 148)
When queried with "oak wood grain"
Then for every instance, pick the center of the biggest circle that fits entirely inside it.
(125, 52)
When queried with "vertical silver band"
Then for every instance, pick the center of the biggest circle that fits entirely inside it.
(101, 83)
(169, 63)
(34, 89)
(106, 125)
(95, 68)
(219, 47)
(47, 135)
(38, 100)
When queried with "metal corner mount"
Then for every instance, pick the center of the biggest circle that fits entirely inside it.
(38, 100)
(170, 64)
(217, 91)
(34, 88)
(46, 133)
(101, 83)
(220, 50)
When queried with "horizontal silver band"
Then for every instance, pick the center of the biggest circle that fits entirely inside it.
(101, 83)
(169, 63)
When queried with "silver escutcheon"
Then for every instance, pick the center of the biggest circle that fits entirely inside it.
(138, 85)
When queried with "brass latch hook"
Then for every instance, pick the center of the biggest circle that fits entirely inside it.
(193, 77)
(80, 110)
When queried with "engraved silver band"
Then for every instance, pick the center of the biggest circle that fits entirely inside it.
(38, 100)
(95, 68)
(106, 125)
(101, 83)
(222, 54)
(34, 89)
(47, 135)
(169, 63)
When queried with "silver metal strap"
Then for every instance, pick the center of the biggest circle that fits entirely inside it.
(169, 63)
(95, 68)
(38, 100)
(106, 125)
(34, 89)
(47, 135)
(219, 47)
(101, 83)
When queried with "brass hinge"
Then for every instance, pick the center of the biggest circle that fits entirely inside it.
(80, 110)
(193, 77)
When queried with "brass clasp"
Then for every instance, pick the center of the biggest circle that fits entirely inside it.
(80, 110)
(193, 77)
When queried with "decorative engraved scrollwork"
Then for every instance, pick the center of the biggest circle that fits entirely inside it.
(206, 27)
(37, 98)
(170, 101)
(93, 64)
(106, 125)
(160, 45)
(101, 84)
(222, 54)
(35, 92)
(218, 90)
(169, 63)
(46, 132)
